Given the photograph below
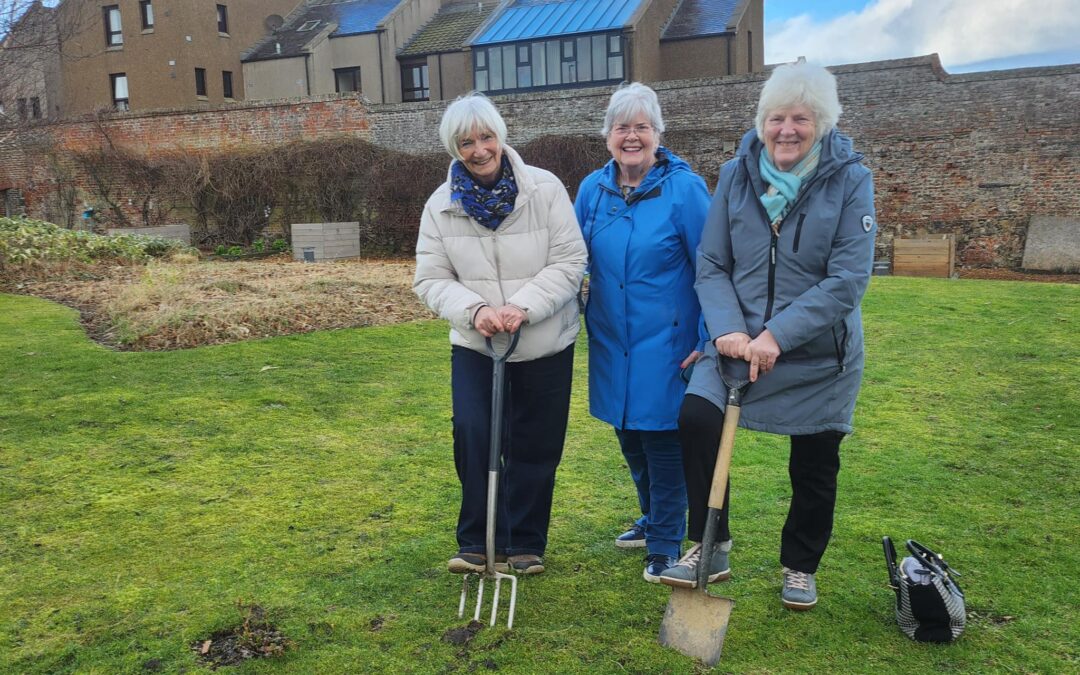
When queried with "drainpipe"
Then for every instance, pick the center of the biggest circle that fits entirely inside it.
(307, 72)
(382, 82)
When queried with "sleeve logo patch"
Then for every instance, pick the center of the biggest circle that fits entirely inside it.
(867, 223)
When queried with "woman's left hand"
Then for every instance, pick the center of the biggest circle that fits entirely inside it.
(762, 353)
(513, 318)
(692, 358)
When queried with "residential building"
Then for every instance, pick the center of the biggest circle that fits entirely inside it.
(414, 50)
(149, 54)
(30, 67)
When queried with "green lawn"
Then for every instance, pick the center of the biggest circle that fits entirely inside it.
(142, 495)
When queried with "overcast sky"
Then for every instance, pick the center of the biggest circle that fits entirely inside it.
(967, 34)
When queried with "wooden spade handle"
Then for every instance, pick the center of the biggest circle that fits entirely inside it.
(723, 459)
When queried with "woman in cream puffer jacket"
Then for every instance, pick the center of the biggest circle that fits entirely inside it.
(500, 251)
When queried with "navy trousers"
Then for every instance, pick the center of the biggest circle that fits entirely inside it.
(536, 407)
(812, 467)
(655, 461)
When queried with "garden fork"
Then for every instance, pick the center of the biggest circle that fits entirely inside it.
(498, 385)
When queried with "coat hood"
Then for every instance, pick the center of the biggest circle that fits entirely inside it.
(836, 151)
(667, 164)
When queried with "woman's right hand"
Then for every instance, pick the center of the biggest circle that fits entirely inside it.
(487, 321)
(732, 345)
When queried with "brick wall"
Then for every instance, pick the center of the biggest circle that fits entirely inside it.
(975, 154)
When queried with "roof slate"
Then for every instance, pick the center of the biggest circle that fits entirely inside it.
(698, 18)
(350, 16)
(531, 19)
(448, 30)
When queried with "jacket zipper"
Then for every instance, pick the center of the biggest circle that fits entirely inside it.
(798, 233)
(772, 274)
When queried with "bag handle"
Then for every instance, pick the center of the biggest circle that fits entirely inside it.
(890, 563)
(936, 564)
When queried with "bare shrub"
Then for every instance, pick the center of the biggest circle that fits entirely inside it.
(571, 158)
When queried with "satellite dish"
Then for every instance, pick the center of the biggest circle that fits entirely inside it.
(273, 22)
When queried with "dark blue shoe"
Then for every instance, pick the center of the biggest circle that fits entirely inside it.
(632, 538)
(655, 564)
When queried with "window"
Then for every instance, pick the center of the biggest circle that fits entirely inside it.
(146, 8)
(346, 79)
(200, 81)
(308, 25)
(23, 110)
(113, 34)
(749, 51)
(414, 81)
(119, 87)
(549, 63)
(615, 57)
(222, 19)
(35, 108)
(226, 83)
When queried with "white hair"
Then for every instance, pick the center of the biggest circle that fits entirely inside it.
(800, 83)
(629, 101)
(468, 113)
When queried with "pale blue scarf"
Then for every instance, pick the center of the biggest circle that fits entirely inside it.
(784, 185)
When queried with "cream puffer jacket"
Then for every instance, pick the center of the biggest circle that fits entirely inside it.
(534, 260)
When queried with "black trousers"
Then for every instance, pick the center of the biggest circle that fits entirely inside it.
(536, 406)
(812, 466)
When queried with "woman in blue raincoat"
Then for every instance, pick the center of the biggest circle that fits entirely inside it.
(785, 258)
(641, 215)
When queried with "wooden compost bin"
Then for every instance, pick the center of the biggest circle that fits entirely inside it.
(925, 256)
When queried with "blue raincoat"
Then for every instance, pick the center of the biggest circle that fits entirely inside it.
(805, 286)
(642, 316)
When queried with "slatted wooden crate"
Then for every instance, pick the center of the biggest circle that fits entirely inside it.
(925, 256)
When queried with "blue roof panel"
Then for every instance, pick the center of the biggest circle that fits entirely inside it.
(537, 19)
(362, 17)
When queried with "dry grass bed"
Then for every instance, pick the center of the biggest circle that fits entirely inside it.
(180, 304)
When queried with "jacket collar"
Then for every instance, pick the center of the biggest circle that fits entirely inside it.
(525, 182)
(836, 151)
(667, 162)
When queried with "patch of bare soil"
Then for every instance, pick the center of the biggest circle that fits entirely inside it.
(176, 305)
(1000, 274)
(255, 638)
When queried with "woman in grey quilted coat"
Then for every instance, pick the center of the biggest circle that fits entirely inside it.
(784, 261)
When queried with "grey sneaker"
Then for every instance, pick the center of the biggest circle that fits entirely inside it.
(800, 590)
(684, 573)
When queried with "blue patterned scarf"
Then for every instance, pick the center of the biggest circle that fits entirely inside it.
(784, 186)
(488, 206)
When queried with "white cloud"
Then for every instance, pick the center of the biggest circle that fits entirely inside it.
(960, 31)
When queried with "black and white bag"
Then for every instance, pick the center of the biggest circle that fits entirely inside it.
(929, 603)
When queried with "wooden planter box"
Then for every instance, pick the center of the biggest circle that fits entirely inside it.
(325, 241)
(926, 256)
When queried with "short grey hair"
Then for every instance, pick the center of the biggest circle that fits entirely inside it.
(630, 100)
(800, 83)
(466, 113)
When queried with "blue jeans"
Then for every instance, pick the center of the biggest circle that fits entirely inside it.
(655, 461)
(536, 406)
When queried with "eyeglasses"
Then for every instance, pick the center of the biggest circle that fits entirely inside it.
(639, 130)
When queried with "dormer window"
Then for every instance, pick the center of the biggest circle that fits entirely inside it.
(307, 25)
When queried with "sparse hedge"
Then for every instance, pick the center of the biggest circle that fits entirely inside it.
(233, 198)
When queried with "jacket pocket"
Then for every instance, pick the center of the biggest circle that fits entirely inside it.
(798, 233)
(840, 343)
